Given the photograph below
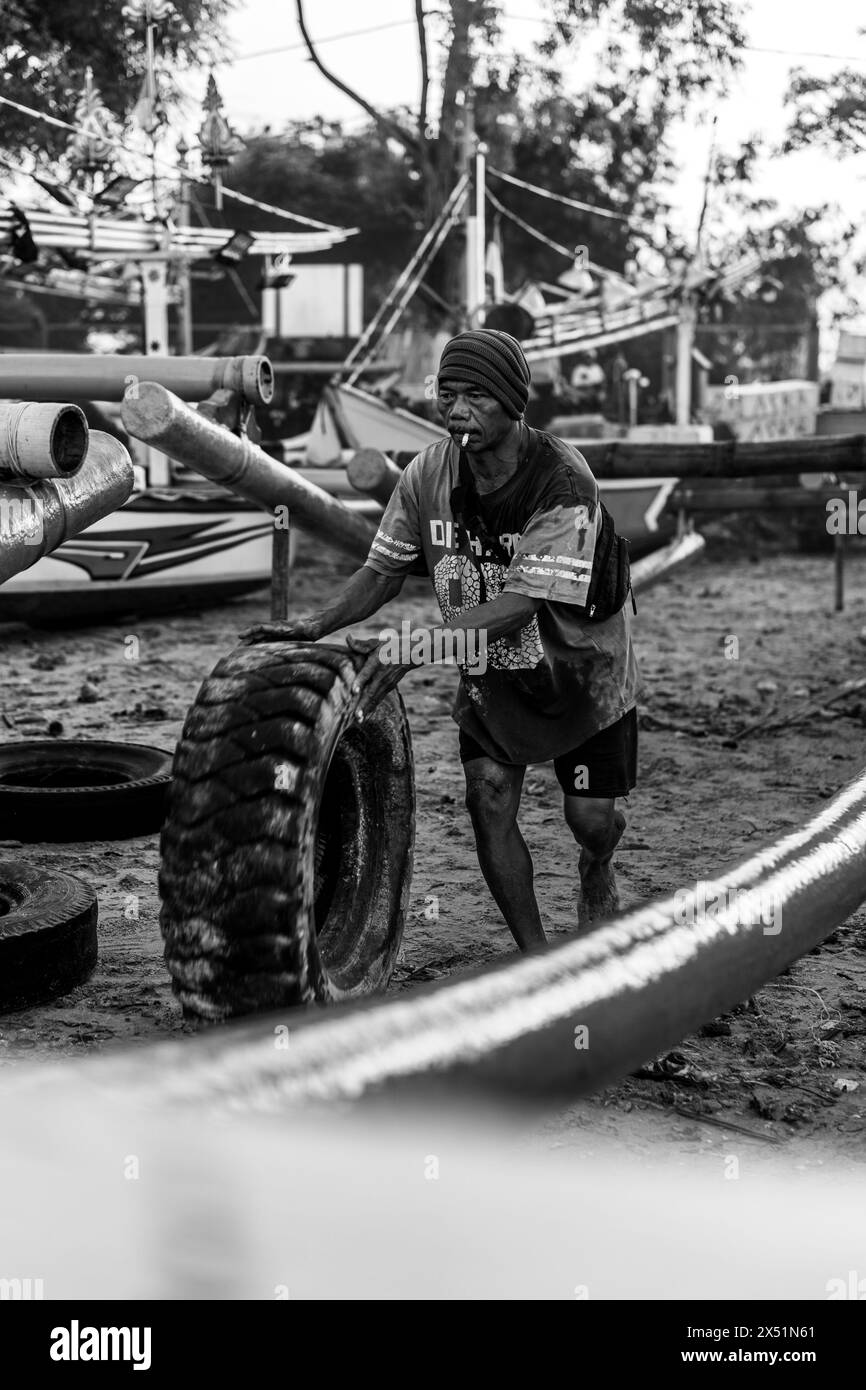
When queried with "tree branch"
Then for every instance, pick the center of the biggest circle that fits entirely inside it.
(425, 71)
(384, 122)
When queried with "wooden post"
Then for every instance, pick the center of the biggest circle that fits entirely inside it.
(839, 568)
(473, 292)
(280, 566)
(685, 343)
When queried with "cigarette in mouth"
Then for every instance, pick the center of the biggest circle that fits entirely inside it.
(464, 441)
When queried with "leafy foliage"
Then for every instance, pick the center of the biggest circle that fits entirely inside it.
(356, 179)
(605, 146)
(827, 111)
(45, 49)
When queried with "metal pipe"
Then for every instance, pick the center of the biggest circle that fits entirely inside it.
(51, 376)
(157, 417)
(566, 1021)
(34, 520)
(41, 441)
(372, 472)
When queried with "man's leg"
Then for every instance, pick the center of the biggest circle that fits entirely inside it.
(592, 777)
(493, 798)
(597, 826)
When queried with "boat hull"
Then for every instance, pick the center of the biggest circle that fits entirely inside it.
(349, 418)
(161, 551)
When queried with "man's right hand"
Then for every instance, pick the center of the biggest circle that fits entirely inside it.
(305, 629)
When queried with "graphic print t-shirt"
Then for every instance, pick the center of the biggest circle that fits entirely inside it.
(552, 684)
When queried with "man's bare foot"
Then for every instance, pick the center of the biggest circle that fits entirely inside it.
(598, 897)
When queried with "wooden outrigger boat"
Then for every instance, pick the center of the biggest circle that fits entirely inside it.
(178, 542)
(166, 549)
(348, 419)
(162, 550)
(195, 545)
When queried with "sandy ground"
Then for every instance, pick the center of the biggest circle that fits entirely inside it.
(765, 1081)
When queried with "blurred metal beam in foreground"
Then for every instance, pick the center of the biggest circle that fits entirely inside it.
(157, 417)
(103, 1198)
(34, 520)
(563, 1023)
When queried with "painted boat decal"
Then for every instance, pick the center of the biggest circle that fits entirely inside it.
(141, 551)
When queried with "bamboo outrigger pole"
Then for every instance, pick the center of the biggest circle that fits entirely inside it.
(52, 376)
(157, 417)
(41, 441)
(34, 520)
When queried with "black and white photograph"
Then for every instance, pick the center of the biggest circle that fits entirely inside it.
(432, 670)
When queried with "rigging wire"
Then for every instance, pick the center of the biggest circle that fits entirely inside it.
(560, 197)
(329, 38)
(548, 241)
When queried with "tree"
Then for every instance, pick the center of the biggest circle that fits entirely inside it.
(770, 329)
(45, 49)
(680, 50)
(829, 112)
(606, 146)
(339, 177)
(436, 152)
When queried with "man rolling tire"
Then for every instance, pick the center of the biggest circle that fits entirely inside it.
(508, 523)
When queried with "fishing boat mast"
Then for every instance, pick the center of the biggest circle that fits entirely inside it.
(474, 162)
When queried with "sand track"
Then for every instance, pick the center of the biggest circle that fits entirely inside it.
(776, 1068)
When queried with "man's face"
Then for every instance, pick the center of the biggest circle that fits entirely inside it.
(468, 409)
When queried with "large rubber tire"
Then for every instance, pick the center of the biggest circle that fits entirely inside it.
(47, 934)
(287, 848)
(81, 789)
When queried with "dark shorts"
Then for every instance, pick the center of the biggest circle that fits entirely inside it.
(604, 766)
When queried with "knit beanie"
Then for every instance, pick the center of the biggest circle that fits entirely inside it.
(490, 359)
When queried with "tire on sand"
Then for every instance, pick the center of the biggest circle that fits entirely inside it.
(55, 790)
(287, 847)
(47, 934)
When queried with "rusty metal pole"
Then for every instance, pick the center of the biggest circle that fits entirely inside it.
(34, 520)
(156, 416)
(57, 376)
